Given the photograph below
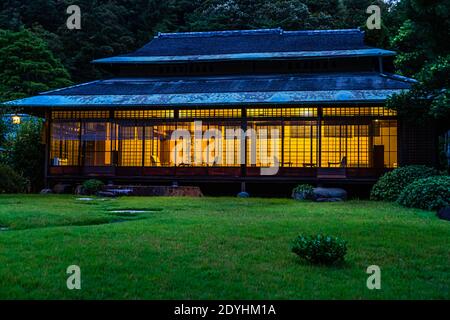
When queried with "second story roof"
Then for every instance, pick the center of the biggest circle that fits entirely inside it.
(249, 45)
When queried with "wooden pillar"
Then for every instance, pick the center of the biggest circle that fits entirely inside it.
(380, 64)
(244, 125)
(143, 146)
(447, 149)
(319, 137)
(47, 140)
(243, 186)
(282, 143)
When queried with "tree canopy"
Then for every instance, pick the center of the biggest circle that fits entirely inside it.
(423, 47)
(27, 66)
(119, 26)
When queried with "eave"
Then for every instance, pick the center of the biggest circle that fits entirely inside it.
(274, 89)
(208, 99)
(300, 55)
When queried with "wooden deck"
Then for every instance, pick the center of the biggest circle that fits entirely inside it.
(214, 174)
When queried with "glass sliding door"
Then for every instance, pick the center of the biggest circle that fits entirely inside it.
(385, 143)
(96, 143)
(323, 137)
(65, 144)
(344, 145)
(219, 146)
(300, 144)
(211, 146)
(158, 145)
(264, 143)
(130, 144)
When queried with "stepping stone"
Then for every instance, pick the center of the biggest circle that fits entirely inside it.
(118, 221)
(328, 200)
(129, 211)
(330, 193)
(106, 194)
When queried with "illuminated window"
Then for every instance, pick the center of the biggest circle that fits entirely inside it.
(299, 112)
(358, 111)
(300, 144)
(225, 152)
(344, 145)
(97, 142)
(369, 140)
(216, 147)
(80, 114)
(130, 145)
(209, 113)
(65, 144)
(281, 112)
(143, 114)
(385, 142)
(158, 146)
(264, 145)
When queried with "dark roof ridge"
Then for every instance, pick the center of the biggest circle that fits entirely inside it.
(70, 87)
(225, 33)
(248, 76)
(398, 77)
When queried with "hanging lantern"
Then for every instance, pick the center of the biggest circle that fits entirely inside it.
(16, 119)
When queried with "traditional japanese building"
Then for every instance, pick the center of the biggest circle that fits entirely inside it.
(315, 97)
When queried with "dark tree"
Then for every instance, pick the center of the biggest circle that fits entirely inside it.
(27, 66)
(423, 49)
(27, 141)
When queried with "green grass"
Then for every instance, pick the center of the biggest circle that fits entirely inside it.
(216, 248)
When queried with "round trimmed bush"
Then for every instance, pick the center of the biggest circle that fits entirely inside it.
(11, 181)
(92, 186)
(303, 192)
(320, 249)
(391, 184)
(243, 195)
(431, 193)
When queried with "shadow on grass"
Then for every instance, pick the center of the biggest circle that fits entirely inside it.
(338, 265)
(112, 219)
(142, 210)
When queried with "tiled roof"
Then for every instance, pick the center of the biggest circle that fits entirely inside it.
(224, 90)
(213, 84)
(249, 44)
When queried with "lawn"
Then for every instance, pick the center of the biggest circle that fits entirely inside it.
(216, 248)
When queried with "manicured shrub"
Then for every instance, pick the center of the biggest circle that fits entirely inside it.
(92, 186)
(320, 249)
(243, 195)
(390, 185)
(303, 192)
(11, 181)
(431, 193)
(27, 141)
